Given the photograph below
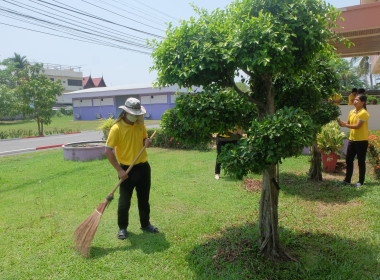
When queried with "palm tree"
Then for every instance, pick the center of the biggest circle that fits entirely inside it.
(20, 61)
(364, 67)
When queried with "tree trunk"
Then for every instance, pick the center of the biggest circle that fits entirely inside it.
(39, 126)
(315, 172)
(268, 215)
(268, 212)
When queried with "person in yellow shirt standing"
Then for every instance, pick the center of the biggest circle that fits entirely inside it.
(126, 139)
(335, 99)
(352, 96)
(358, 144)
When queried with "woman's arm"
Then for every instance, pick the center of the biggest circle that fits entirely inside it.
(351, 126)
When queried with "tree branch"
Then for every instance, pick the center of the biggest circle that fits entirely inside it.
(250, 98)
(246, 71)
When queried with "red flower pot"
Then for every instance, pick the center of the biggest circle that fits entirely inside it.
(329, 162)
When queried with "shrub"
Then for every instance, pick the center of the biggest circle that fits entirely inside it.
(331, 139)
(162, 140)
(374, 153)
(105, 126)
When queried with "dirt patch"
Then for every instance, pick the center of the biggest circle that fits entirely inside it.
(252, 185)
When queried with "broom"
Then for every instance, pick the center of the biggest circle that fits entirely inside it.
(85, 232)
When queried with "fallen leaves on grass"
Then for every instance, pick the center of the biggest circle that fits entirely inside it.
(252, 185)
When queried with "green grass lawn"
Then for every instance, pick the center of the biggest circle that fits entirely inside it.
(63, 123)
(208, 227)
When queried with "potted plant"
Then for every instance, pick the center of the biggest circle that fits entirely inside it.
(105, 126)
(330, 141)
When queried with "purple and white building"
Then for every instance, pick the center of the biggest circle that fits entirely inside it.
(97, 103)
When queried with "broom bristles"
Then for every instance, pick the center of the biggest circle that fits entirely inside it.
(85, 232)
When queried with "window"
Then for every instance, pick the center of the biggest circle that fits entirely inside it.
(154, 99)
(82, 103)
(103, 101)
(72, 82)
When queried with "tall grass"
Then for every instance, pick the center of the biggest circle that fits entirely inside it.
(208, 227)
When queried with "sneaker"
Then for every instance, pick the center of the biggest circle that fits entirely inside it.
(122, 234)
(150, 228)
(344, 182)
(358, 185)
(216, 177)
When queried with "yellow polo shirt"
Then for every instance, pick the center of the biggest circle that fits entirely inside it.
(360, 134)
(127, 140)
(336, 99)
(351, 98)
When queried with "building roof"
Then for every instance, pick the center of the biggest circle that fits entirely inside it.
(85, 80)
(121, 90)
(97, 81)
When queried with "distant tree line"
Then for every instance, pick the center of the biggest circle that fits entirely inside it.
(25, 90)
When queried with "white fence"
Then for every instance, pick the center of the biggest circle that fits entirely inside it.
(374, 116)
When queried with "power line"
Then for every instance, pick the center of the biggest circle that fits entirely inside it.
(86, 31)
(72, 29)
(156, 10)
(121, 15)
(69, 37)
(88, 40)
(90, 23)
(141, 11)
(99, 18)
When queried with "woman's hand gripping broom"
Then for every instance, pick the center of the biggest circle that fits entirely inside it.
(85, 232)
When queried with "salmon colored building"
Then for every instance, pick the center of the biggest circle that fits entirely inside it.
(361, 26)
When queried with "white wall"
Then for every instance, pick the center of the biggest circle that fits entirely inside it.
(374, 116)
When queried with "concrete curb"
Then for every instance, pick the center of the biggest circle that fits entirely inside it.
(28, 137)
(14, 152)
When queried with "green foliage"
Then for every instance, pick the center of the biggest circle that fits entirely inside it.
(105, 126)
(330, 139)
(326, 113)
(199, 115)
(348, 76)
(371, 98)
(309, 87)
(269, 141)
(37, 95)
(162, 140)
(252, 35)
(374, 152)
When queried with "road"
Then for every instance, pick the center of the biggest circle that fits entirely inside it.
(26, 145)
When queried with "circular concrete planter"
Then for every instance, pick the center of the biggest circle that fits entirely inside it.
(84, 151)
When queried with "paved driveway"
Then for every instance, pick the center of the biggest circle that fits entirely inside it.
(25, 145)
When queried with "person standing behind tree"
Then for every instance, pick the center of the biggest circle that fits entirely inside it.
(127, 138)
(222, 140)
(352, 96)
(335, 99)
(358, 144)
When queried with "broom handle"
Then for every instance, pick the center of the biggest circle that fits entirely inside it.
(129, 168)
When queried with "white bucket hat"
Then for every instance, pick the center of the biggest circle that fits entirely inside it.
(133, 106)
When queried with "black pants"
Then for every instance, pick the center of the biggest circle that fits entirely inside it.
(354, 148)
(219, 145)
(139, 178)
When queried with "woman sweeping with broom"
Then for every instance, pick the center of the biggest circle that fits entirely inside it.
(127, 137)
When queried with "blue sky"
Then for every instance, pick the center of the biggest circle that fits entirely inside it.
(118, 67)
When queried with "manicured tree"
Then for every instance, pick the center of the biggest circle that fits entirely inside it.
(256, 41)
(36, 96)
(312, 90)
(197, 116)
